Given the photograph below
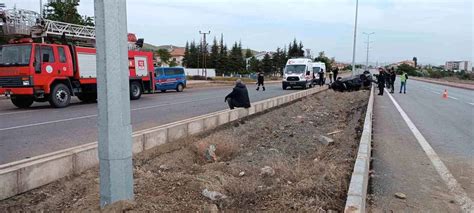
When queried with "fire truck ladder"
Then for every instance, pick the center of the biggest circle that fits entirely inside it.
(49, 28)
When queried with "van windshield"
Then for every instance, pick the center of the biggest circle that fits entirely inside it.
(295, 69)
(316, 69)
(15, 55)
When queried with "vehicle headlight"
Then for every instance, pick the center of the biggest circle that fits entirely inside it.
(26, 83)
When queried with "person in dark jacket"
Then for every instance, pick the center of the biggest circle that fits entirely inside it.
(381, 81)
(239, 97)
(393, 77)
(334, 73)
(260, 79)
(321, 77)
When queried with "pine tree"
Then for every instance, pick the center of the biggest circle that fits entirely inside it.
(186, 55)
(214, 57)
(248, 53)
(300, 50)
(254, 65)
(267, 64)
(193, 55)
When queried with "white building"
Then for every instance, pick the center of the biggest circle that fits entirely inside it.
(458, 66)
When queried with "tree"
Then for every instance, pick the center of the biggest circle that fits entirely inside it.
(327, 61)
(295, 50)
(415, 60)
(173, 63)
(66, 12)
(411, 71)
(254, 65)
(193, 55)
(214, 57)
(248, 53)
(186, 55)
(267, 64)
(221, 67)
(164, 55)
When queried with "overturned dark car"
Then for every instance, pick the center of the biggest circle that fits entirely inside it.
(353, 83)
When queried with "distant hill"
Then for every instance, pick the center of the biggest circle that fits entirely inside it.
(152, 47)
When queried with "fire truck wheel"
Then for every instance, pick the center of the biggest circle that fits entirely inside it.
(135, 90)
(22, 102)
(60, 96)
(179, 88)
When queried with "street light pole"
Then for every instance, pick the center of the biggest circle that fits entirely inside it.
(115, 129)
(368, 43)
(204, 50)
(355, 37)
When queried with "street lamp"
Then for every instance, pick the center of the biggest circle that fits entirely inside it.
(355, 37)
(368, 43)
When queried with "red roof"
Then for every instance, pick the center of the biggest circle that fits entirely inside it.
(177, 52)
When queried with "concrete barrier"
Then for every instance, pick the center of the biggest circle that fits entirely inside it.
(21, 176)
(357, 193)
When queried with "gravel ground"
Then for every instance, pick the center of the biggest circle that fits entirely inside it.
(271, 162)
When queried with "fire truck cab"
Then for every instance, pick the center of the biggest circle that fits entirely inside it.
(43, 72)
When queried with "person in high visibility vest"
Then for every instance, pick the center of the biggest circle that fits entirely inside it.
(403, 81)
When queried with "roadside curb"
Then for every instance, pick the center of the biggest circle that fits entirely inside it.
(357, 193)
(27, 174)
(451, 84)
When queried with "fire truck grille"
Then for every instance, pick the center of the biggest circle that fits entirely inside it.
(292, 79)
(10, 81)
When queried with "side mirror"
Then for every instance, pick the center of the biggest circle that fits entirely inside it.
(308, 73)
(45, 57)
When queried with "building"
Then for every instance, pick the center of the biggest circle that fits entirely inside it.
(457, 66)
(177, 55)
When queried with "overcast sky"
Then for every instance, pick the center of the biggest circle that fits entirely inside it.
(432, 30)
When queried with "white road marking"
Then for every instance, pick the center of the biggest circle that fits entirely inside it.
(453, 97)
(94, 115)
(456, 190)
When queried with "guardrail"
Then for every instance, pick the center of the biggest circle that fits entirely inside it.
(21, 176)
(357, 193)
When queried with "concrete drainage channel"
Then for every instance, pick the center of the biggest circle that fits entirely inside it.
(24, 175)
(357, 193)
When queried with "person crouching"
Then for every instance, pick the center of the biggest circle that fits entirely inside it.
(239, 97)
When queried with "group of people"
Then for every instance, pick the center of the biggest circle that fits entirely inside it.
(331, 74)
(386, 78)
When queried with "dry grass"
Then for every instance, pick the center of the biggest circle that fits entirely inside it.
(226, 147)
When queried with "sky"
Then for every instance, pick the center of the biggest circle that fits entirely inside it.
(434, 31)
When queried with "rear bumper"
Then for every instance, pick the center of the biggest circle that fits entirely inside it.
(294, 83)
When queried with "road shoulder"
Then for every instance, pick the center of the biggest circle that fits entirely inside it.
(401, 166)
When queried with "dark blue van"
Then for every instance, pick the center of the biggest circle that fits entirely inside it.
(170, 78)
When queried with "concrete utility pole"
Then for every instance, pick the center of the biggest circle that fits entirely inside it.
(115, 130)
(41, 8)
(355, 39)
(368, 46)
(204, 51)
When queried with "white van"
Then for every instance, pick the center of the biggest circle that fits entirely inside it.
(318, 66)
(298, 72)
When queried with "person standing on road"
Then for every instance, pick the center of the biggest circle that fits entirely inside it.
(393, 77)
(321, 77)
(335, 72)
(239, 97)
(381, 81)
(330, 76)
(260, 79)
(403, 82)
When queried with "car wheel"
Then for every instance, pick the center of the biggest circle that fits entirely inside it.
(179, 88)
(60, 96)
(284, 87)
(22, 102)
(135, 90)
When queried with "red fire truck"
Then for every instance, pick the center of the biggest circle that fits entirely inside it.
(43, 72)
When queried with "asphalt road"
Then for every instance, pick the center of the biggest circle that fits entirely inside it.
(400, 162)
(42, 129)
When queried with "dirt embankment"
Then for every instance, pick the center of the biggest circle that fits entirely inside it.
(272, 162)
